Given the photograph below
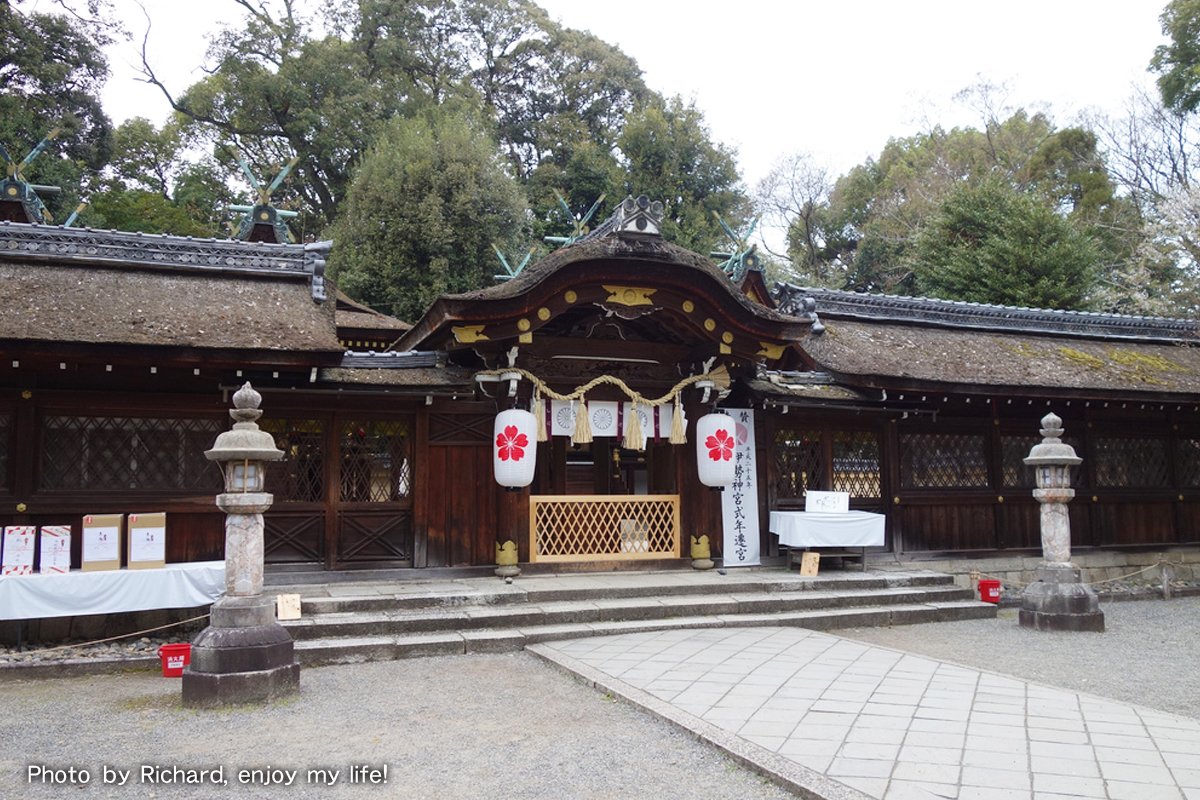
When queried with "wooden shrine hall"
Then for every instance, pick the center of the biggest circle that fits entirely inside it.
(121, 351)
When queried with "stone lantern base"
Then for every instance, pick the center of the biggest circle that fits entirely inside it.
(243, 656)
(1060, 601)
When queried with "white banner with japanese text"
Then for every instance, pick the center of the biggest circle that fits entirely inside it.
(739, 501)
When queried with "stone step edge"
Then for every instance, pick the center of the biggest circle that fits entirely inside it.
(350, 650)
(484, 617)
(503, 597)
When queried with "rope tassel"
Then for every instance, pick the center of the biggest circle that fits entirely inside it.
(539, 411)
(635, 437)
(678, 424)
(583, 426)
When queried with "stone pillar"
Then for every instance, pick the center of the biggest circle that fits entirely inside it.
(1058, 599)
(244, 655)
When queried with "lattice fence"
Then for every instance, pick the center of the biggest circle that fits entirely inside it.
(599, 528)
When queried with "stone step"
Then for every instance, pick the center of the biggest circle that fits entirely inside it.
(460, 594)
(387, 647)
(477, 617)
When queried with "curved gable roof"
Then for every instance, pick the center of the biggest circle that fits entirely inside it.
(623, 275)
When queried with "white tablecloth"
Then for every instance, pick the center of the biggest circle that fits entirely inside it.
(824, 529)
(111, 591)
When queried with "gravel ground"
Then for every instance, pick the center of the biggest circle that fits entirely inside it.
(510, 725)
(454, 727)
(1147, 654)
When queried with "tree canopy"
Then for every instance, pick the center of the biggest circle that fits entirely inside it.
(428, 202)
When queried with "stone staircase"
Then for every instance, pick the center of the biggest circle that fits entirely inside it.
(378, 621)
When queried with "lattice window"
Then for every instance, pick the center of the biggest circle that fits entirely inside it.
(129, 453)
(605, 527)
(376, 463)
(299, 477)
(1189, 462)
(855, 463)
(943, 461)
(1017, 474)
(5, 448)
(799, 462)
(1123, 462)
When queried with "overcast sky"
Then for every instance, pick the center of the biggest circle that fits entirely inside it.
(835, 79)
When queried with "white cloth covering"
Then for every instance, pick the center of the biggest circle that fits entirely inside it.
(111, 591)
(823, 529)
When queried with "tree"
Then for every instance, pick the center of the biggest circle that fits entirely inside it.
(150, 186)
(794, 198)
(990, 243)
(427, 203)
(51, 71)
(1150, 152)
(276, 88)
(1178, 63)
(668, 155)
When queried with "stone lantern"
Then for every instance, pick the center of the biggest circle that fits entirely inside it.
(244, 655)
(1058, 599)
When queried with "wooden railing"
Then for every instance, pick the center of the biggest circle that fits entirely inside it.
(603, 527)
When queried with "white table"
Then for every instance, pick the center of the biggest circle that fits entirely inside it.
(111, 591)
(804, 529)
(825, 529)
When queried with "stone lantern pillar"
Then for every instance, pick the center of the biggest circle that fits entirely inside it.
(1058, 600)
(244, 655)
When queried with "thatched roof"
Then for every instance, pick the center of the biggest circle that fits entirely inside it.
(890, 353)
(81, 287)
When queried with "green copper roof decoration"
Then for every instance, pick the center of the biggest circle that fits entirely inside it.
(742, 258)
(264, 222)
(512, 273)
(19, 200)
(578, 223)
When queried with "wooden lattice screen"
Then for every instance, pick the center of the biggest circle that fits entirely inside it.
(604, 528)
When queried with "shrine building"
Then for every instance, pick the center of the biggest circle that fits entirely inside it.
(120, 353)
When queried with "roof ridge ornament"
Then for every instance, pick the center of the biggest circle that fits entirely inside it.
(743, 258)
(14, 189)
(578, 223)
(263, 222)
(634, 220)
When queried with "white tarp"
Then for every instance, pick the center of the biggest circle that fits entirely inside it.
(111, 591)
(823, 529)
(739, 501)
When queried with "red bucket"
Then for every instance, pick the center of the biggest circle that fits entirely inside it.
(174, 657)
(989, 591)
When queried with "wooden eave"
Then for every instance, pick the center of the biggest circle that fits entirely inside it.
(706, 308)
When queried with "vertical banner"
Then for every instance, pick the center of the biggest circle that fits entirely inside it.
(739, 501)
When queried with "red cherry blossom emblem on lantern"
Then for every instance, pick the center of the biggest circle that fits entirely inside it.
(511, 443)
(720, 445)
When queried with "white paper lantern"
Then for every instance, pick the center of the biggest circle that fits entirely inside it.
(514, 448)
(714, 449)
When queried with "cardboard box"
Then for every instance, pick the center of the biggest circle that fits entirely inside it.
(102, 542)
(147, 541)
(55, 544)
(18, 550)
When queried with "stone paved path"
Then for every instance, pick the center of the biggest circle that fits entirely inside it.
(893, 725)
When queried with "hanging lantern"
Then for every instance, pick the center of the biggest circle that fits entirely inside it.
(714, 449)
(514, 448)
